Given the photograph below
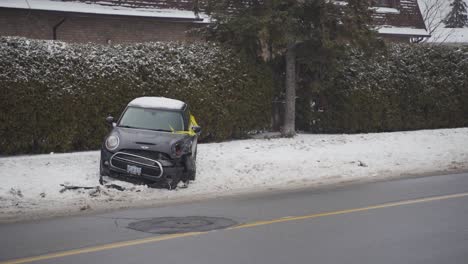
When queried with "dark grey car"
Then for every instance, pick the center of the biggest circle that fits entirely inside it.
(154, 141)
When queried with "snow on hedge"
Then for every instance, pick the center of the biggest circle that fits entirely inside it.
(405, 87)
(90, 61)
(70, 88)
(31, 185)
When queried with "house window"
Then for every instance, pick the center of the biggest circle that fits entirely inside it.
(386, 3)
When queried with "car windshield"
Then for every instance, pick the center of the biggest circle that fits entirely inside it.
(152, 119)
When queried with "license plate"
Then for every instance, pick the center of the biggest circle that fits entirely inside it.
(134, 170)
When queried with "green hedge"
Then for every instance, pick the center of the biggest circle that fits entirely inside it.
(55, 96)
(408, 87)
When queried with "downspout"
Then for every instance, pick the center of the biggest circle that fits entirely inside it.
(196, 9)
(29, 8)
(54, 29)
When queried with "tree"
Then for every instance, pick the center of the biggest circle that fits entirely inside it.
(457, 18)
(432, 11)
(298, 31)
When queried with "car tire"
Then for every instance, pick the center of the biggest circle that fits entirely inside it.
(189, 175)
(101, 173)
(192, 173)
(172, 182)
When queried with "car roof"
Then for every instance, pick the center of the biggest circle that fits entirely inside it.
(157, 102)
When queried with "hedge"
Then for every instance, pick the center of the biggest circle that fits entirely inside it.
(407, 87)
(55, 96)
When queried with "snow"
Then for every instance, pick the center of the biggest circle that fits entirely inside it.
(381, 10)
(31, 184)
(14, 4)
(438, 11)
(93, 8)
(403, 31)
(157, 102)
(393, 30)
(386, 10)
(450, 36)
(453, 35)
(340, 2)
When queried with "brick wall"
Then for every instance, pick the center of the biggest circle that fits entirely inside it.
(82, 28)
(396, 38)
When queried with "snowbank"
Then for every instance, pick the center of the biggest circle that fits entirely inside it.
(31, 184)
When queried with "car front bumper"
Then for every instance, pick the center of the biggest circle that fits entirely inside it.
(115, 165)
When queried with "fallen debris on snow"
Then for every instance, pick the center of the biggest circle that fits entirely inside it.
(108, 186)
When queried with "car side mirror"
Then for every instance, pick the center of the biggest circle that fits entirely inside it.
(110, 120)
(196, 129)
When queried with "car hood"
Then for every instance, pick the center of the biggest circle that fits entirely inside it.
(147, 139)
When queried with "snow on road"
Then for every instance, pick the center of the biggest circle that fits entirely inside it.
(31, 184)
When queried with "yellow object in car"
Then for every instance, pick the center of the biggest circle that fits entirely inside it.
(192, 123)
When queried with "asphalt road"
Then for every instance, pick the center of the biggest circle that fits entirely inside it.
(417, 220)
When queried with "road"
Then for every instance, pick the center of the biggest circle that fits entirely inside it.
(415, 220)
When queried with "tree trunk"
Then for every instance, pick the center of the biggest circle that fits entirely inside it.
(289, 128)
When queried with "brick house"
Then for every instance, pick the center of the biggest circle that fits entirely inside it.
(399, 20)
(126, 21)
(113, 21)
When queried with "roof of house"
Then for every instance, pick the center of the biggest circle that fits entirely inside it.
(398, 17)
(404, 19)
(170, 9)
(188, 5)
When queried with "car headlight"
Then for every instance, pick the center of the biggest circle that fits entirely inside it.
(181, 147)
(112, 142)
(177, 149)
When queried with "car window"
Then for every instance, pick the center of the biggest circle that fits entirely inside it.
(154, 119)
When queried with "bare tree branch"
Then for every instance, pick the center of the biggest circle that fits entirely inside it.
(433, 13)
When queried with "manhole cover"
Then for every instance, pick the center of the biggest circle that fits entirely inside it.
(173, 225)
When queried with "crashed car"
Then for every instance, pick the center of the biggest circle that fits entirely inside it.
(154, 140)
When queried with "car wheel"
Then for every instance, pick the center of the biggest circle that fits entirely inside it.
(172, 182)
(189, 176)
(101, 173)
(191, 169)
(192, 173)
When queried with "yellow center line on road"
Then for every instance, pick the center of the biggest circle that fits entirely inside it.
(242, 226)
(379, 206)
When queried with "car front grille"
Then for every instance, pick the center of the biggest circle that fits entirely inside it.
(147, 154)
(149, 167)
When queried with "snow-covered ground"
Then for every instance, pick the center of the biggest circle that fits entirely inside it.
(434, 12)
(31, 185)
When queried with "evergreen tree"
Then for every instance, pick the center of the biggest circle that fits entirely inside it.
(304, 33)
(457, 18)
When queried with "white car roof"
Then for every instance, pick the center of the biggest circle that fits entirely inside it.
(157, 102)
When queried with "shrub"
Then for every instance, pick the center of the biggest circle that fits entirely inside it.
(55, 96)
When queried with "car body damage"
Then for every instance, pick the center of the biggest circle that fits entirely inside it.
(154, 141)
